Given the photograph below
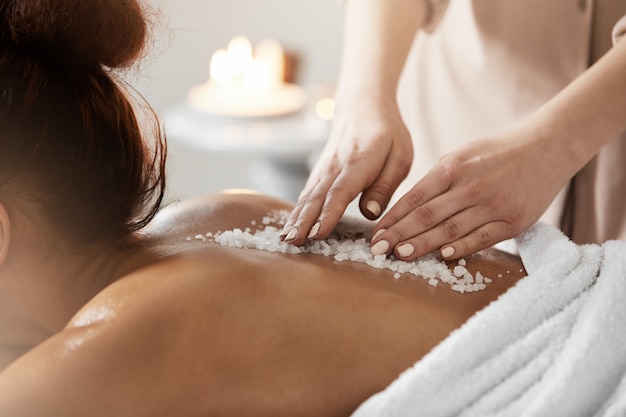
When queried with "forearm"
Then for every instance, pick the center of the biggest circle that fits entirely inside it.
(587, 114)
(377, 38)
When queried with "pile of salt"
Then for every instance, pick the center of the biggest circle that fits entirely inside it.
(349, 243)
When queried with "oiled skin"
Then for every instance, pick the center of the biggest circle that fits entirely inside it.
(207, 330)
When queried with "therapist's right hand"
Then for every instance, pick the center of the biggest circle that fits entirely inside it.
(369, 151)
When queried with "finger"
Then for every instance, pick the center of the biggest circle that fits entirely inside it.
(423, 224)
(449, 230)
(319, 210)
(311, 183)
(345, 189)
(480, 238)
(323, 169)
(376, 197)
(338, 196)
(434, 184)
(335, 197)
(308, 219)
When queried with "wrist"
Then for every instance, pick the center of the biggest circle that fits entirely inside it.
(365, 96)
(551, 139)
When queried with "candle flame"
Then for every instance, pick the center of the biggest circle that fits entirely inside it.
(239, 55)
(238, 67)
(220, 72)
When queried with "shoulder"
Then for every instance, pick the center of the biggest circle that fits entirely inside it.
(132, 350)
(214, 212)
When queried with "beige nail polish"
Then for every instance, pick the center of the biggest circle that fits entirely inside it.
(405, 250)
(292, 234)
(286, 230)
(380, 248)
(373, 207)
(314, 230)
(447, 252)
(378, 233)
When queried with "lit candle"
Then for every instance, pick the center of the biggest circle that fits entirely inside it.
(220, 67)
(271, 55)
(246, 84)
(239, 56)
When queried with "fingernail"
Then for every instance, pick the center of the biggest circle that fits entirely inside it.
(405, 250)
(314, 230)
(378, 233)
(373, 207)
(292, 234)
(286, 230)
(447, 252)
(380, 248)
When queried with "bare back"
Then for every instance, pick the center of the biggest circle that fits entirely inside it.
(211, 330)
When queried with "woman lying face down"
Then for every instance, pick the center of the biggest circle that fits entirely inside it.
(106, 308)
(166, 326)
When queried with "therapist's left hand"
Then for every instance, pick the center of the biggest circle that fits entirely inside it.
(486, 192)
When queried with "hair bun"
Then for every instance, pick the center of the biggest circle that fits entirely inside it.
(89, 32)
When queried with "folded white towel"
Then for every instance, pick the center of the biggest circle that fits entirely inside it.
(553, 345)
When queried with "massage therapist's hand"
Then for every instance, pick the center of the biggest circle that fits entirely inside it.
(370, 151)
(495, 189)
(473, 198)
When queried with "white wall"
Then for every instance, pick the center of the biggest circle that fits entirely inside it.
(193, 29)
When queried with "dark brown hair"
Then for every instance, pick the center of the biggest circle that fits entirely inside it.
(69, 136)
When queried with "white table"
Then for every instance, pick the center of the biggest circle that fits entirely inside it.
(282, 146)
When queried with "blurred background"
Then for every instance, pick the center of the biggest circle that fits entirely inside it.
(209, 151)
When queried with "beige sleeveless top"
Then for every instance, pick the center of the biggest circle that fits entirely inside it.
(485, 65)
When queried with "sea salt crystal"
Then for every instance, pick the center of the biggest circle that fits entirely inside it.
(339, 257)
(277, 217)
(459, 271)
(458, 288)
(349, 242)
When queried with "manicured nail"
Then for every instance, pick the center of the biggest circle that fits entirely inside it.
(292, 234)
(447, 252)
(405, 250)
(373, 207)
(380, 248)
(314, 230)
(286, 230)
(378, 233)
